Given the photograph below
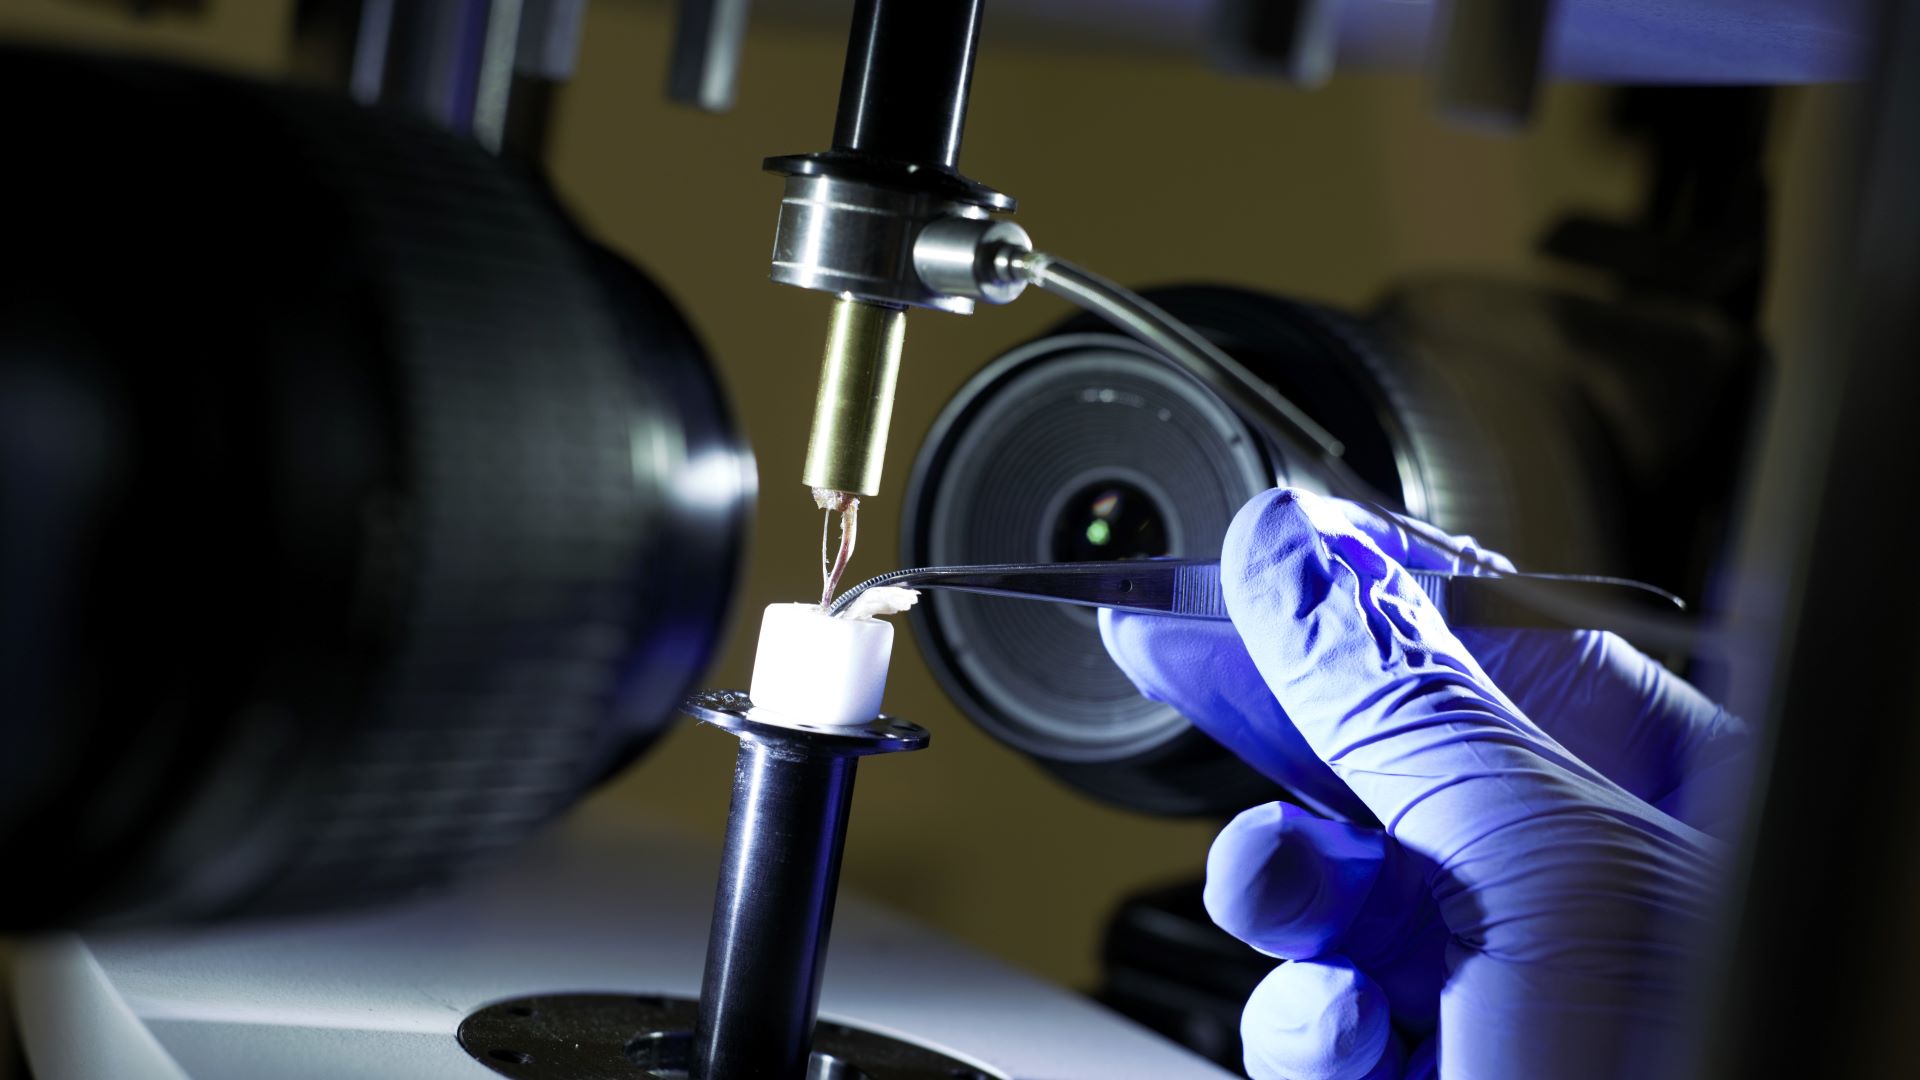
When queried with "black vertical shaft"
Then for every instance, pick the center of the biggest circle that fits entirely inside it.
(772, 911)
(903, 96)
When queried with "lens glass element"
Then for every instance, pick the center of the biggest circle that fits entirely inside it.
(1069, 450)
(1110, 519)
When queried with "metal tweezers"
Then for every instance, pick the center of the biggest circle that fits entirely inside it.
(1191, 588)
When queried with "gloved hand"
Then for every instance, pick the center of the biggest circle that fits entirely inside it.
(1545, 872)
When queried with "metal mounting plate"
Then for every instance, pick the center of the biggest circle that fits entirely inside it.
(733, 710)
(647, 1037)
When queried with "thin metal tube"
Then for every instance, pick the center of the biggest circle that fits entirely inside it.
(853, 408)
(1185, 348)
(1203, 361)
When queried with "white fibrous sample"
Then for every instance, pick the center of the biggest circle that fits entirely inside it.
(882, 600)
(813, 668)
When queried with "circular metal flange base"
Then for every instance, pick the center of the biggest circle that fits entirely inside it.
(899, 175)
(732, 710)
(851, 238)
(647, 1037)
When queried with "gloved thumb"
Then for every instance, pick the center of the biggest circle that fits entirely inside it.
(1381, 688)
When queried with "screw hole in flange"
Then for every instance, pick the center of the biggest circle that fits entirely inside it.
(654, 1034)
(662, 1052)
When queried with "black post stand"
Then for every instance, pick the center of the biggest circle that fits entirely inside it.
(773, 909)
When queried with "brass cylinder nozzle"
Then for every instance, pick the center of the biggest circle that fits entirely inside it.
(854, 408)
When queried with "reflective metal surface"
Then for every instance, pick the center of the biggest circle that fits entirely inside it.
(903, 95)
(848, 236)
(779, 873)
(646, 1036)
(1206, 362)
(733, 710)
(847, 444)
(1190, 588)
(973, 258)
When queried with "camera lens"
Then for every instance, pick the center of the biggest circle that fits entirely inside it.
(1087, 446)
(397, 553)
(1477, 406)
(1079, 448)
(1109, 519)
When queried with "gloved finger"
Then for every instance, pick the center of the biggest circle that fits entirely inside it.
(1608, 703)
(1417, 545)
(1625, 714)
(1200, 667)
(1318, 1020)
(1372, 677)
(1298, 887)
(1290, 884)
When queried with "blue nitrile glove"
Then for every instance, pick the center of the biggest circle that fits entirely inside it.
(1533, 904)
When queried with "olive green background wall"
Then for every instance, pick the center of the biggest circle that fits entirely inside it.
(1145, 166)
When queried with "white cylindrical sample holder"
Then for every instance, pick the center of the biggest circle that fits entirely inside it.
(813, 668)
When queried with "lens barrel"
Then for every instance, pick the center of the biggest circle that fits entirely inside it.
(359, 513)
(1084, 445)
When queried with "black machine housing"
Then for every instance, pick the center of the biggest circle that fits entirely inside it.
(357, 513)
